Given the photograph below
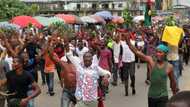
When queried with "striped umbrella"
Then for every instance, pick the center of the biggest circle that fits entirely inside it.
(45, 21)
(69, 19)
(88, 19)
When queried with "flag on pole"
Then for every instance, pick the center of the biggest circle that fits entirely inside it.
(147, 16)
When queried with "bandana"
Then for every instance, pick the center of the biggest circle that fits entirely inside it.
(163, 48)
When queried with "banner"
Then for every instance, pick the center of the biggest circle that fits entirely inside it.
(172, 35)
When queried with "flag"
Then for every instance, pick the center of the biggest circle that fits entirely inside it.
(147, 16)
(172, 35)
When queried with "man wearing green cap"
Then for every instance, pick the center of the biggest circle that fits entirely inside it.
(160, 70)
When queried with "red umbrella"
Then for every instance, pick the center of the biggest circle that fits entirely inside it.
(69, 19)
(117, 20)
(24, 21)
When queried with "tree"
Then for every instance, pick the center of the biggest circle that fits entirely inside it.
(33, 9)
(127, 17)
(11, 8)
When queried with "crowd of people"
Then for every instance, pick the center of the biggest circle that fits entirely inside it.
(86, 64)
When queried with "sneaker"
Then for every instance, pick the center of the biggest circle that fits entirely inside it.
(147, 82)
(114, 83)
(133, 91)
(126, 94)
(51, 93)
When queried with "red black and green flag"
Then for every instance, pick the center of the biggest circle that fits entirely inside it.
(147, 16)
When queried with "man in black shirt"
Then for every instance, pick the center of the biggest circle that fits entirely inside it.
(18, 82)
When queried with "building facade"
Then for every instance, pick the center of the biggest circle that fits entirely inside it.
(79, 7)
(87, 7)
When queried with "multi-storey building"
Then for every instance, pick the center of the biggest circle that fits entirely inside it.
(85, 7)
(79, 7)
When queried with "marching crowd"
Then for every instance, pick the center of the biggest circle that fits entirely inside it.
(86, 64)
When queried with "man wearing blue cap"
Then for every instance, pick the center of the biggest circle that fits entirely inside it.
(160, 70)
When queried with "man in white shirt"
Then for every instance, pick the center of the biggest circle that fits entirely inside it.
(81, 49)
(128, 60)
(87, 79)
(116, 55)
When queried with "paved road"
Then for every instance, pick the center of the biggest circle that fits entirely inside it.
(116, 96)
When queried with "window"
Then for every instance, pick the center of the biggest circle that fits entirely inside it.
(94, 6)
(119, 14)
(105, 6)
(78, 6)
(120, 5)
(113, 6)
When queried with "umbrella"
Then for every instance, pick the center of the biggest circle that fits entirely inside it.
(117, 20)
(52, 20)
(137, 19)
(98, 19)
(24, 21)
(42, 20)
(45, 21)
(69, 19)
(88, 19)
(9, 26)
(157, 18)
(104, 14)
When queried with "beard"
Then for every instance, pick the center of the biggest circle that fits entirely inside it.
(161, 59)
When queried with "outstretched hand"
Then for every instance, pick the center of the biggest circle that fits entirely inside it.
(105, 81)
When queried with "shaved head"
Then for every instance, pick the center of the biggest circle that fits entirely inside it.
(87, 58)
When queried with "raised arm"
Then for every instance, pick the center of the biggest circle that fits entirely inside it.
(141, 55)
(74, 60)
(3, 79)
(9, 48)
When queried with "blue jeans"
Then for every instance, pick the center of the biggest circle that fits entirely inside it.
(41, 68)
(176, 70)
(31, 102)
(68, 98)
(50, 81)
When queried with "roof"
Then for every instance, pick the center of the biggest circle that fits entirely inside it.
(182, 2)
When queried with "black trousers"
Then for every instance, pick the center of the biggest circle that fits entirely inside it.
(157, 102)
(115, 72)
(128, 70)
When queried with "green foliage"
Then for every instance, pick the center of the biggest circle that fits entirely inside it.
(170, 21)
(62, 29)
(153, 13)
(110, 27)
(11, 8)
(127, 17)
(33, 9)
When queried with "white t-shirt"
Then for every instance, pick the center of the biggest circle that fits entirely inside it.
(95, 60)
(116, 51)
(81, 52)
(173, 54)
(127, 55)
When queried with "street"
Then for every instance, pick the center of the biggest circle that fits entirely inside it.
(116, 95)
